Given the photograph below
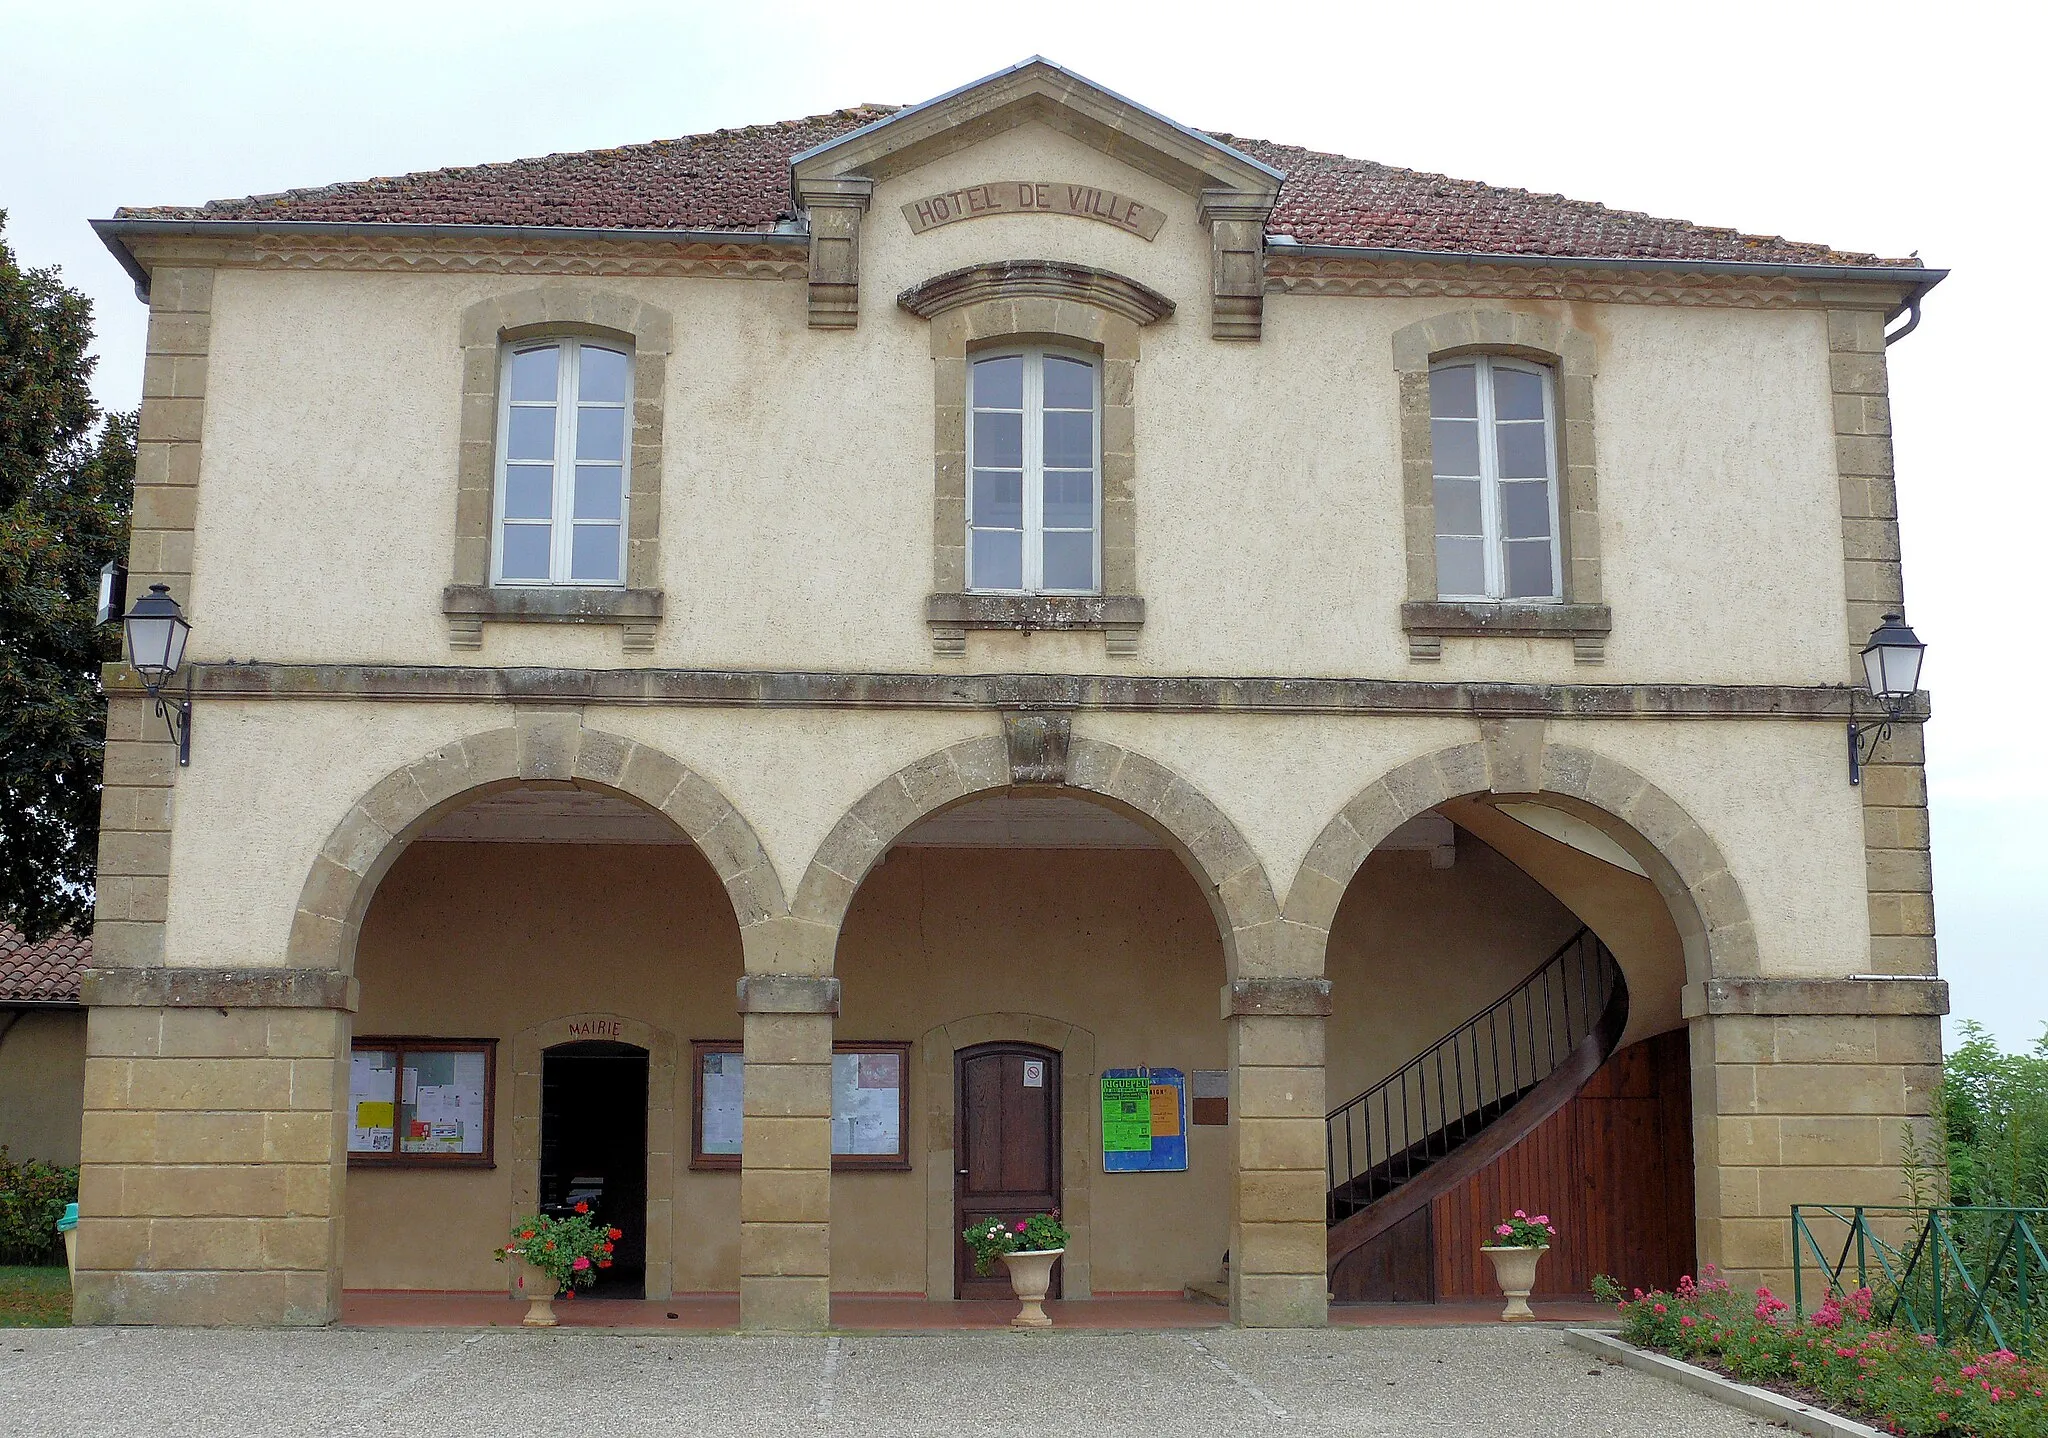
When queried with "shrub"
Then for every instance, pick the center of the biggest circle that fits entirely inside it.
(1901, 1382)
(32, 1199)
(992, 1237)
(570, 1250)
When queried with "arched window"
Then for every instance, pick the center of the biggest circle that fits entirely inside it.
(562, 484)
(1034, 501)
(1493, 443)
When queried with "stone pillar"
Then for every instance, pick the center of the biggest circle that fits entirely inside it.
(786, 1151)
(835, 208)
(1279, 1265)
(1804, 1092)
(214, 1146)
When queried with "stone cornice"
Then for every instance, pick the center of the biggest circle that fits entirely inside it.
(1652, 283)
(1910, 995)
(1165, 694)
(1049, 279)
(180, 988)
(511, 252)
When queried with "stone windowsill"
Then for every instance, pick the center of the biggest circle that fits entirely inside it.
(562, 604)
(1035, 611)
(1466, 619)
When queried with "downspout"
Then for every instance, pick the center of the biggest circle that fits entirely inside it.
(1892, 337)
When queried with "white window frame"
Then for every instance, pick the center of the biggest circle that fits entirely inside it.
(568, 383)
(1493, 544)
(1034, 465)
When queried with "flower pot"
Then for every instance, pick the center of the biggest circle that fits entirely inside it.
(540, 1290)
(1515, 1270)
(1030, 1276)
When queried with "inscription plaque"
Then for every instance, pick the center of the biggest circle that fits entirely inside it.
(1023, 197)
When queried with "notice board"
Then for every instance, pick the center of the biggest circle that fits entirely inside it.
(1144, 1121)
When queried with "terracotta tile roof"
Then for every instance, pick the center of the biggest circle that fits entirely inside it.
(41, 973)
(739, 180)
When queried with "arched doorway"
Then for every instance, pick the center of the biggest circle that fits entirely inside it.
(572, 870)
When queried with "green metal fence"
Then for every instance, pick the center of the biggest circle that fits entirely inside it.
(1958, 1273)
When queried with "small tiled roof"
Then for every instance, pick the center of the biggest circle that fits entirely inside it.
(739, 180)
(42, 973)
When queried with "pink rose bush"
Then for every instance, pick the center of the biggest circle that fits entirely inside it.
(1841, 1358)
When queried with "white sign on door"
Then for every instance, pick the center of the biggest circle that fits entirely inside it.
(1034, 1073)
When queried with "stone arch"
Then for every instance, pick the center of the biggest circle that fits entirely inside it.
(1680, 857)
(1230, 874)
(551, 746)
(529, 1046)
(1076, 1048)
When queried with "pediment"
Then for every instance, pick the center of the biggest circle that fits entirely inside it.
(1037, 91)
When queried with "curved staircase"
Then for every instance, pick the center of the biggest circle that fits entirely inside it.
(1472, 1095)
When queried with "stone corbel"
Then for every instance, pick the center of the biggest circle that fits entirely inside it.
(835, 208)
(1237, 252)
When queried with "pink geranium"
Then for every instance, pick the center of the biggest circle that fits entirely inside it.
(580, 1264)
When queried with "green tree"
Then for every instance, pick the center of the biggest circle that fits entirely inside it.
(1994, 1108)
(66, 478)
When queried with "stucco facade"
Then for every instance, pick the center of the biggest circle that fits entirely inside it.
(796, 708)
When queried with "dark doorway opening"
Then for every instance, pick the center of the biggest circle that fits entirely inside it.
(593, 1149)
(1007, 1149)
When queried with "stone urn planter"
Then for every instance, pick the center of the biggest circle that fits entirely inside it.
(540, 1290)
(1514, 1267)
(1030, 1276)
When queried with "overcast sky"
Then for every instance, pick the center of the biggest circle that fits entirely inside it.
(1869, 127)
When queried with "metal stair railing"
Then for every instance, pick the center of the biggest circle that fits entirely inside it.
(1456, 1086)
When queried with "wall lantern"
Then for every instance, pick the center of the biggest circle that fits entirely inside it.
(157, 630)
(1891, 666)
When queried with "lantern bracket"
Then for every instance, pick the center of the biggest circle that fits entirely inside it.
(177, 716)
(1876, 731)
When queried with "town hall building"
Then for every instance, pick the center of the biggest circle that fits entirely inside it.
(810, 684)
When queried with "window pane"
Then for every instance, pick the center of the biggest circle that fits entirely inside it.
(1070, 560)
(998, 500)
(1528, 564)
(1525, 511)
(1460, 568)
(999, 383)
(1524, 451)
(597, 491)
(998, 439)
(604, 375)
(526, 551)
(600, 433)
(533, 374)
(1457, 507)
(531, 433)
(1070, 499)
(1517, 394)
(1454, 446)
(1069, 384)
(594, 552)
(1070, 439)
(1454, 392)
(529, 491)
(998, 559)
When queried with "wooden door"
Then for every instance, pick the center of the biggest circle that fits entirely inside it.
(1006, 1148)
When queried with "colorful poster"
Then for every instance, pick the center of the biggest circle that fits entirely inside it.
(1126, 1113)
(372, 1089)
(443, 1107)
(1144, 1121)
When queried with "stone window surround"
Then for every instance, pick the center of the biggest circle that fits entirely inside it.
(568, 310)
(1025, 301)
(1582, 616)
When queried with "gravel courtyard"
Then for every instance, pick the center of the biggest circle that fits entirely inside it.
(167, 1383)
